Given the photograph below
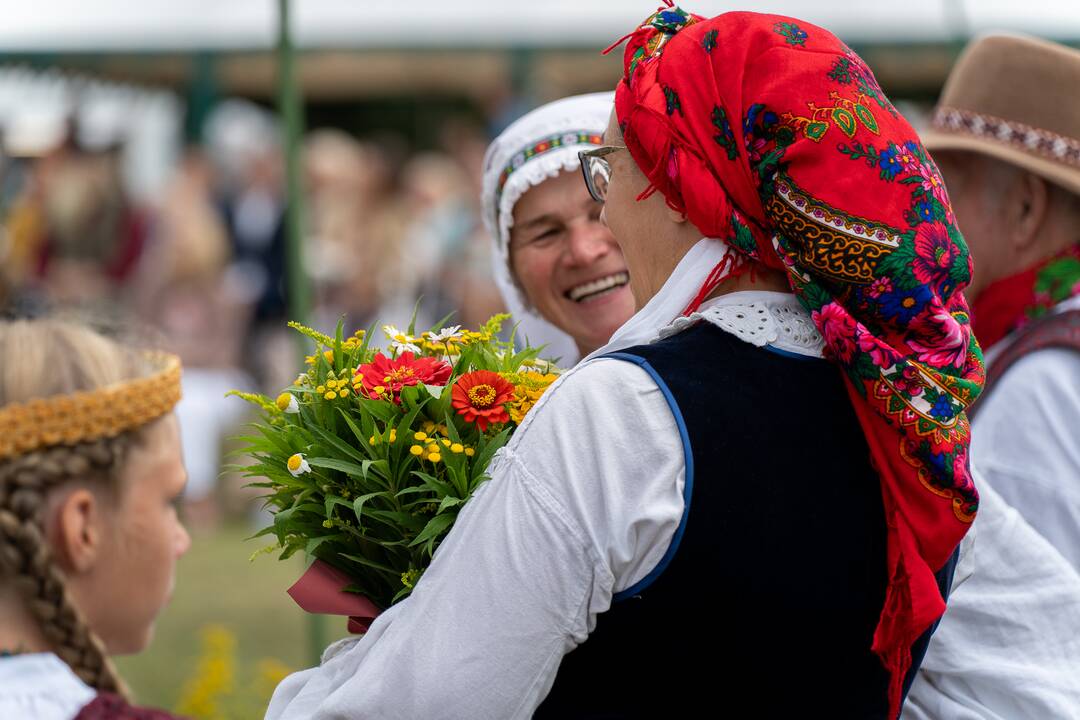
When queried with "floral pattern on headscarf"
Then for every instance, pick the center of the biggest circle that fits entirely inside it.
(784, 145)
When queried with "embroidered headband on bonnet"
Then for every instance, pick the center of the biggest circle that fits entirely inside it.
(535, 147)
(771, 134)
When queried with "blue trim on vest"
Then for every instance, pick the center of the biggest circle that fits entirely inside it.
(688, 485)
(788, 354)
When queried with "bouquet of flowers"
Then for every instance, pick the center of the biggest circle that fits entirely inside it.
(369, 456)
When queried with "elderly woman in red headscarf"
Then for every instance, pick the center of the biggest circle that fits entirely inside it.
(752, 496)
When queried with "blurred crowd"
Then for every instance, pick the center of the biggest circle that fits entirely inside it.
(204, 262)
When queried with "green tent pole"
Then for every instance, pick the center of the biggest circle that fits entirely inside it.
(298, 290)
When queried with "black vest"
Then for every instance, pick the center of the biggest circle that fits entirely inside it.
(766, 603)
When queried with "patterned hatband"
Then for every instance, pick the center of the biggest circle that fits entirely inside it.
(83, 416)
(1023, 137)
(553, 142)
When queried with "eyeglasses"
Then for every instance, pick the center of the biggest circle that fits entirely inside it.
(597, 171)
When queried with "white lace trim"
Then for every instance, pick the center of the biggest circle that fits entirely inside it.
(782, 323)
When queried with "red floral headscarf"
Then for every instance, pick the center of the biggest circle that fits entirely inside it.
(770, 133)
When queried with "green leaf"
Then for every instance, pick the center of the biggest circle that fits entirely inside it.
(371, 563)
(358, 504)
(484, 455)
(400, 519)
(433, 529)
(381, 409)
(338, 444)
(433, 483)
(448, 502)
(349, 468)
(333, 500)
(314, 543)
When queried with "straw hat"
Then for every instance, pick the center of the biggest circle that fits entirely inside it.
(1017, 99)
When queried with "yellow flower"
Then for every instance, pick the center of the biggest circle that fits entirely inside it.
(320, 389)
(343, 393)
(419, 436)
(371, 440)
(203, 695)
(469, 452)
(329, 355)
(417, 450)
(457, 448)
(286, 403)
(434, 457)
(428, 426)
(433, 448)
(393, 436)
(528, 387)
(330, 395)
(409, 578)
(445, 442)
(297, 465)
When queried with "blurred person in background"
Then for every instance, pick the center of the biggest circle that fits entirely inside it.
(89, 537)
(1006, 135)
(436, 242)
(337, 188)
(95, 233)
(72, 235)
(187, 294)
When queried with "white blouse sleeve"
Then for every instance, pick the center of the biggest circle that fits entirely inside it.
(1024, 442)
(584, 502)
(1008, 645)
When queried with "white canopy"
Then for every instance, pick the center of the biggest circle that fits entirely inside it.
(156, 25)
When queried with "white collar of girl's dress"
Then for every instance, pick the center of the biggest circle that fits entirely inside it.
(43, 675)
(788, 325)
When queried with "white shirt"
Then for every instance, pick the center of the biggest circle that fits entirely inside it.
(40, 686)
(1008, 647)
(1026, 441)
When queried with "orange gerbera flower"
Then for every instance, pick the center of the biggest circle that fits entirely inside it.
(479, 397)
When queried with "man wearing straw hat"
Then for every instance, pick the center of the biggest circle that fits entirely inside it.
(1006, 135)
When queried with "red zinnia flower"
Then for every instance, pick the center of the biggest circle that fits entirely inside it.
(479, 397)
(384, 377)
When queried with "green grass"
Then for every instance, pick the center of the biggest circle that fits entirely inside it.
(218, 584)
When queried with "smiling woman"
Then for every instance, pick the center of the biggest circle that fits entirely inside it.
(556, 264)
(567, 263)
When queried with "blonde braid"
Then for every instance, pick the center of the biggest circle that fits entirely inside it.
(25, 557)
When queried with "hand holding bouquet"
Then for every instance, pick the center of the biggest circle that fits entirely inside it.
(369, 456)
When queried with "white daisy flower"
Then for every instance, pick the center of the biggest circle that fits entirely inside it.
(297, 465)
(449, 334)
(286, 403)
(401, 341)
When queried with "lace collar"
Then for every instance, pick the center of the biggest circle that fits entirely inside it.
(760, 318)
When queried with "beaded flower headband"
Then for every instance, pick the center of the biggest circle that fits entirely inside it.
(82, 416)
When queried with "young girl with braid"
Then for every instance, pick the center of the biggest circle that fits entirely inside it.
(90, 468)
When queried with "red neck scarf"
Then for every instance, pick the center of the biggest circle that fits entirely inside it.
(1010, 303)
(770, 133)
